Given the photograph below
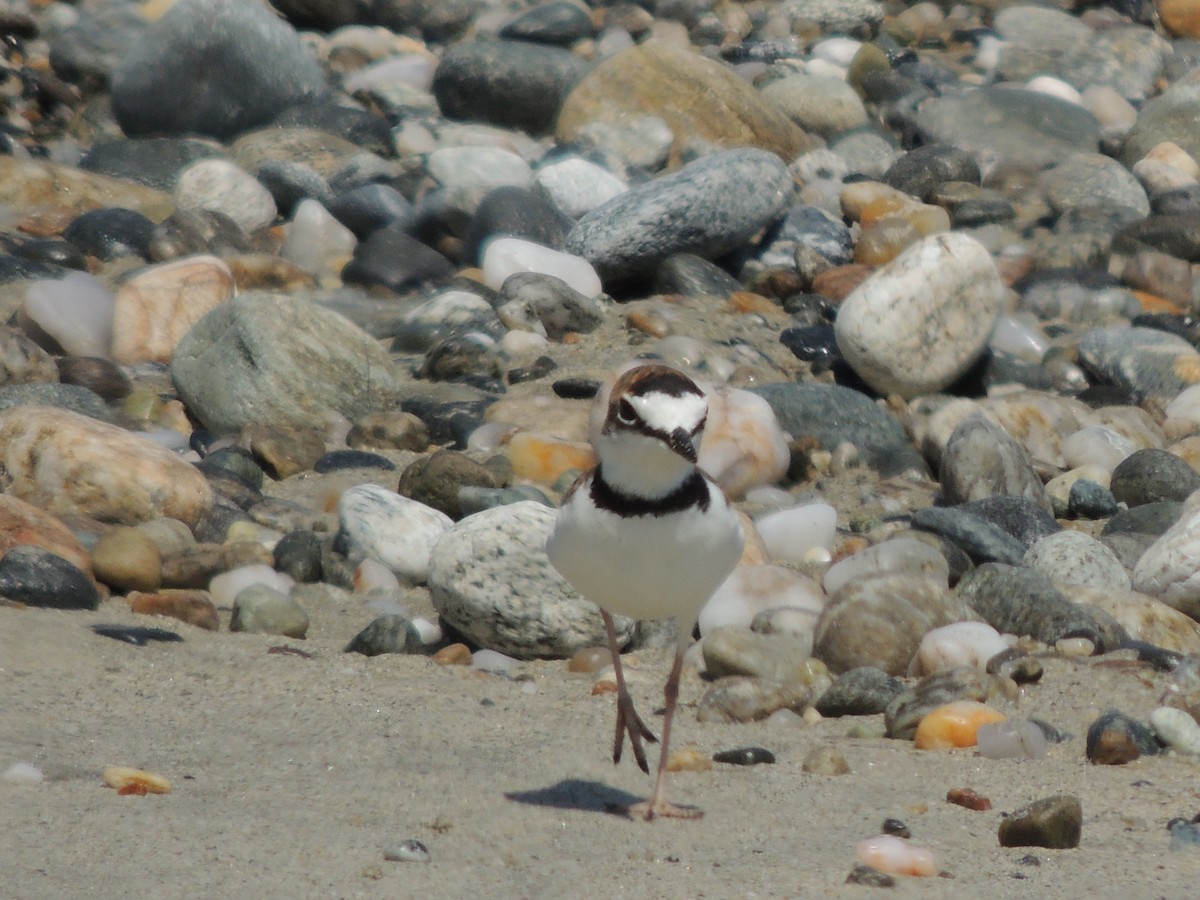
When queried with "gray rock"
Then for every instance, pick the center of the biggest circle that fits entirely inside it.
(491, 580)
(1168, 117)
(1072, 557)
(438, 480)
(1092, 179)
(1042, 28)
(1152, 476)
(390, 633)
(823, 104)
(260, 609)
(215, 67)
(1148, 519)
(832, 415)
(1143, 361)
(982, 460)
(1090, 500)
(709, 207)
(37, 577)
(907, 709)
(72, 397)
(1025, 520)
(865, 691)
(846, 16)
(742, 698)
(1115, 739)
(978, 538)
(263, 358)
(531, 297)
(732, 650)
(398, 531)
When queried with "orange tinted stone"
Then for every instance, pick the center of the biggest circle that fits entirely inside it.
(545, 459)
(954, 725)
(453, 655)
(194, 607)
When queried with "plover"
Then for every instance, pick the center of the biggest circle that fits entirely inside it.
(647, 535)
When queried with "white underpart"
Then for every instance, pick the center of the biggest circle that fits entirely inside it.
(642, 465)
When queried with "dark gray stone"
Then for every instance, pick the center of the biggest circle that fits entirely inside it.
(923, 169)
(983, 460)
(1054, 822)
(865, 691)
(1150, 519)
(392, 259)
(389, 633)
(37, 577)
(154, 162)
(978, 538)
(1151, 476)
(1025, 520)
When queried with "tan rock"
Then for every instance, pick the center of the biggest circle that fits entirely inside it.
(1145, 618)
(31, 184)
(1180, 17)
(194, 607)
(695, 96)
(156, 307)
(127, 559)
(24, 523)
(67, 463)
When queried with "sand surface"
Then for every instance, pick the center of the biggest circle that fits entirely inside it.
(291, 777)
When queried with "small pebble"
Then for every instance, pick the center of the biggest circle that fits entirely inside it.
(137, 636)
(744, 756)
(410, 850)
(22, 773)
(969, 799)
(1053, 822)
(1014, 738)
(896, 856)
(825, 761)
(956, 724)
(135, 782)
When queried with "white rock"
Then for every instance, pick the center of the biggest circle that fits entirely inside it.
(219, 185)
(372, 575)
(578, 185)
(922, 320)
(429, 632)
(1145, 618)
(960, 644)
(398, 531)
(837, 50)
(895, 556)
(1186, 405)
(1096, 445)
(517, 342)
(226, 586)
(412, 69)
(743, 446)
(1177, 729)
(1011, 739)
(1072, 557)
(789, 534)
(23, 773)
(317, 242)
(468, 174)
(76, 310)
(752, 589)
(491, 661)
(505, 256)
(1019, 336)
(1170, 567)
(1054, 87)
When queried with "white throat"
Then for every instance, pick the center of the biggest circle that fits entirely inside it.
(641, 466)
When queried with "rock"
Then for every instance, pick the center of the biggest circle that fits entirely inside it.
(76, 311)
(393, 259)
(23, 524)
(23, 362)
(698, 98)
(953, 725)
(865, 691)
(740, 698)
(399, 532)
(1018, 517)
(254, 63)
(708, 207)
(30, 183)
(126, 559)
(825, 761)
(899, 555)
(745, 756)
(437, 480)
(156, 307)
(490, 579)
(956, 645)
(924, 169)
(298, 555)
(790, 535)
(1143, 617)
(1115, 739)
(981, 540)
(69, 464)
(259, 609)
(751, 590)
(1167, 571)
(284, 451)
(194, 607)
(1092, 179)
(262, 358)
(1167, 117)
(1072, 557)
(982, 460)
(823, 104)
(389, 633)
(37, 577)
(1053, 822)
(218, 185)
(1150, 476)
(1142, 361)
(730, 650)
(905, 712)
(108, 234)
(919, 323)
(576, 185)
(508, 256)
(545, 304)
(392, 430)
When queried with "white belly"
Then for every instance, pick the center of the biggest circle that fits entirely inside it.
(645, 567)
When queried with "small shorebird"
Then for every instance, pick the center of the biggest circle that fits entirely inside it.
(647, 535)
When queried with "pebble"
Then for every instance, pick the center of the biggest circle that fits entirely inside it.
(1166, 570)
(744, 756)
(37, 577)
(898, 555)
(126, 559)
(76, 310)
(894, 855)
(790, 535)
(1053, 822)
(23, 524)
(1144, 618)
(864, 691)
(506, 256)
(226, 586)
(982, 460)
(62, 462)
(1151, 476)
(398, 531)
(906, 711)
(954, 725)
(753, 590)
(741, 698)
(194, 607)
(919, 323)
(975, 536)
(958, 644)
(22, 773)
(259, 609)
(825, 761)
(389, 633)
(490, 579)
(410, 850)
(730, 650)
(1072, 557)
(1115, 739)
(137, 636)
(969, 799)
(128, 781)
(1012, 738)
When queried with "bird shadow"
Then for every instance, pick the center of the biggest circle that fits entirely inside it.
(574, 793)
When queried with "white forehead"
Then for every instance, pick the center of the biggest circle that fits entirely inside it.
(664, 412)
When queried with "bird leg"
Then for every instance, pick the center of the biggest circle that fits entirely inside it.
(628, 721)
(657, 805)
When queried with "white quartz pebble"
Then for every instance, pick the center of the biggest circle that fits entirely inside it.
(505, 256)
(226, 586)
(23, 773)
(371, 575)
(398, 531)
(76, 310)
(900, 554)
(752, 589)
(1020, 337)
(789, 534)
(1096, 445)
(959, 644)
(317, 242)
(577, 185)
(1055, 87)
(1177, 729)
(896, 856)
(494, 661)
(1186, 405)
(1011, 739)
(430, 632)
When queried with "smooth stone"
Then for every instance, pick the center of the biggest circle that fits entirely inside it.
(709, 207)
(389, 633)
(1072, 557)
(863, 691)
(823, 104)
(136, 635)
(284, 451)
(880, 621)
(576, 185)
(218, 185)
(923, 169)
(751, 590)
(22, 773)
(75, 310)
(507, 256)
(745, 756)
(974, 535)
(1142, 361)
(491, 580)
(832, 415)
(27, 183)
(340, 460)
(369, 207)
(1177, 729)
(226, 585)
(1115, 739)
(825, 761)
(1018, 128)
(64, 463)
(513, 84)
(152, 161)
(1151, 476)
(23, 524)
(1167, 117)
(467, 175)
(1097, 445)
(1090, 500)
(108, 234)
(1053, 822)
(298, 555)
(316, 241)
(698, 99)
(193, 607)
(393, 259)
(65, 397)
(555, 22)
(919, 322)
(744, 445)
(1148, 519)
(263, 358)
(394, 430)
(548, 305)
(907, 709)
(259, 609)
(741, 698)
(22, 361)
(157, 306)
(955, 645)
(982, 460)
(1025, 602)
(37, 577)
(396, 530)
(1025, 520)
(437, 480)
(898, 555)
(411, 850)
(790, 535)
(1143, 617)
(517, 212)
(1092, 179)
(1011, 739)
(733, 650)
(127, 560)
(446, 313)
(809, 238)
(1167, 569)
(255, 64)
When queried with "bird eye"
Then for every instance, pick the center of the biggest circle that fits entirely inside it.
(625, 412)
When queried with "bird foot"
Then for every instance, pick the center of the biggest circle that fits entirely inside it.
(629, 722)
(649, 810)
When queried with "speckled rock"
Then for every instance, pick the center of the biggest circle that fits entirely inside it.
(1167, 570)
(743, 698)
(63, 462)
(1151, 476)
(907, 709)
(732, 650)
(982, 460)
(1072, 557)
(1143, 361)
(491, 581)
(399, 532)
(865, 691)
(1145, 618)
